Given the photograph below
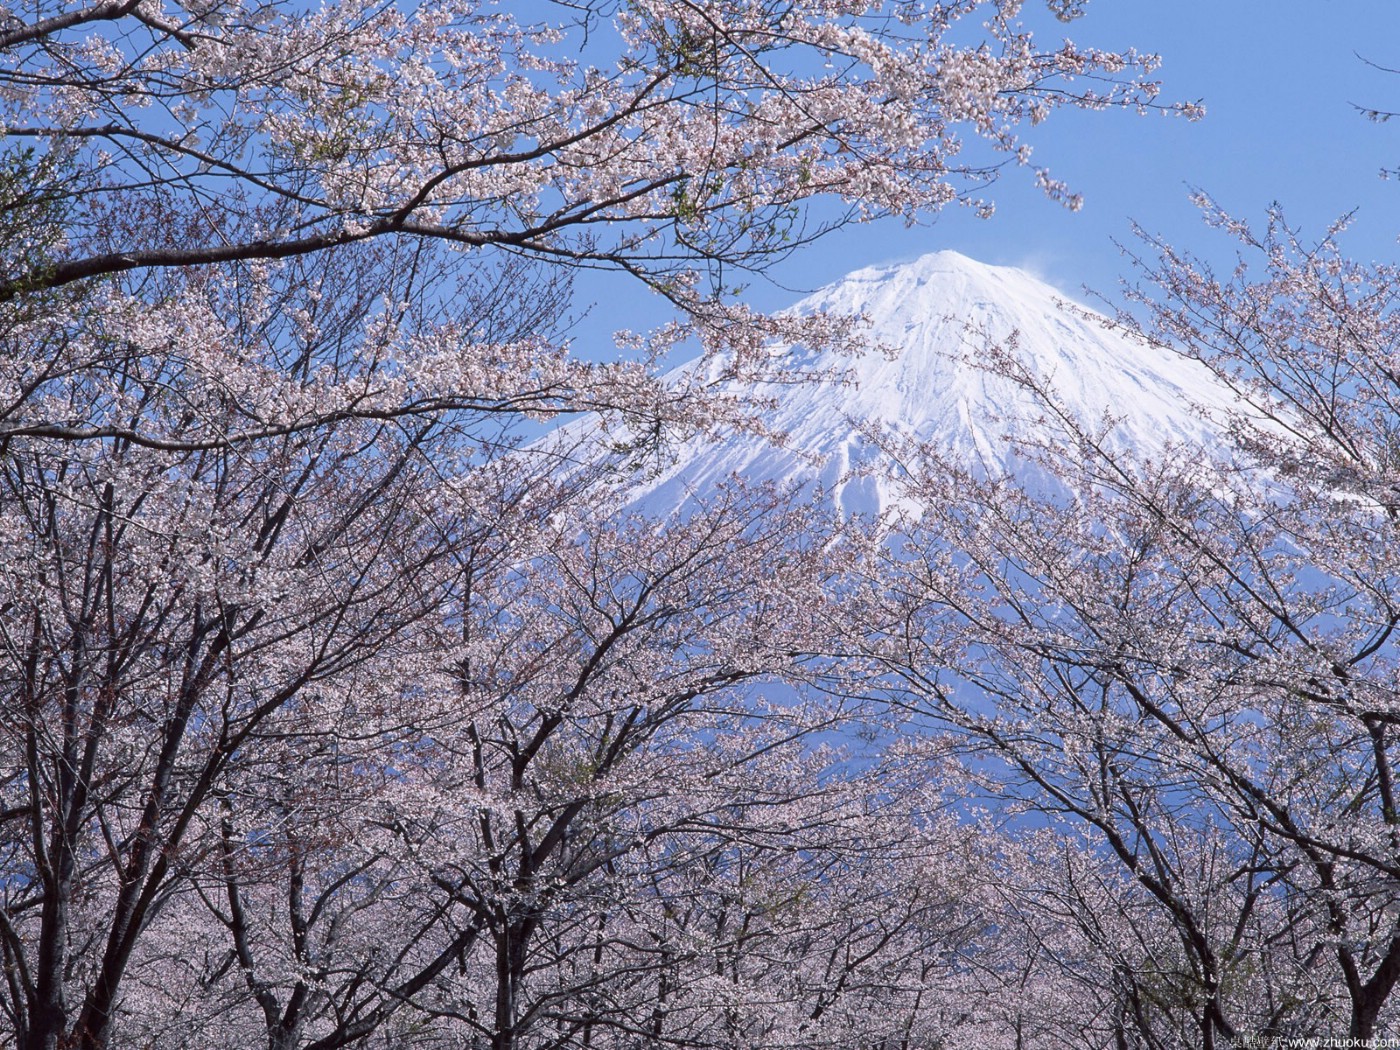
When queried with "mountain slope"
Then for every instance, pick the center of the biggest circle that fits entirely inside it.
(940, 311)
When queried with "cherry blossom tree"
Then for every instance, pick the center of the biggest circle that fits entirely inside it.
(653, 853)
(645, 136)
(674, 141)
(577, 832)
(164, 609)
(328, 715)
(1192, 657)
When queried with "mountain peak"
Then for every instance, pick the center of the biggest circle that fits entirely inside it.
(944, 280)
(945, 262)
(941, 312)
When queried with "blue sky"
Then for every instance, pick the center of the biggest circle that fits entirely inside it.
(1280, 80)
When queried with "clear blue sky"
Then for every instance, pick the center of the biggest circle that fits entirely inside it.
(1280, 80)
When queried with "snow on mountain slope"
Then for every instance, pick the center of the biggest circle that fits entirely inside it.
(940, 310)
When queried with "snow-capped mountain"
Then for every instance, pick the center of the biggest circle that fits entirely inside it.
(941, 311)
